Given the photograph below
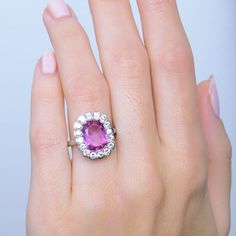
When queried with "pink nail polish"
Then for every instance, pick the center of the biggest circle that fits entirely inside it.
(48, 63)
(58, 8)
(214, 98)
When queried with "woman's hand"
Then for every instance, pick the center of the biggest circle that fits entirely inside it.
(170, 171)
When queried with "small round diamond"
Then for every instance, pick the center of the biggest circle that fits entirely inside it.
(111, 138)
(96, 115)
(107, 124)
(110, 131)
(82, 147)
(80, 140)
(111, 145)
(78, 125)
(89, 116)
(93, 155)
(103, 118)
(82, 119)
(78, 133)
(106, 151)
(86, 153)
(100, 154)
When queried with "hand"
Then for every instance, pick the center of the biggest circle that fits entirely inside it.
(170, 171)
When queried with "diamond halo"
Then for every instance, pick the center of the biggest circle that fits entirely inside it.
(94, 135)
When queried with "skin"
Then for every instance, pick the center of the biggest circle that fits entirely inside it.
(170, 172)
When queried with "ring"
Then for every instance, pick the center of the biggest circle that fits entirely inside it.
(94, 135)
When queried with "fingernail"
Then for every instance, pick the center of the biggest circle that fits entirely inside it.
(214, 98)
(48, 63)
(58, 8)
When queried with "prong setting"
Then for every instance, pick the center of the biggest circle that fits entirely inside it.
(79, 126)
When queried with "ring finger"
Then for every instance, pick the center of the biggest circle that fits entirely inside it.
(84, 87)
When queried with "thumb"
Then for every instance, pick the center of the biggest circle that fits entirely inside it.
(219, 154)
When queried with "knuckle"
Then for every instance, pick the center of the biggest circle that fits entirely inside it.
(145, 190)
(45, 140)
(194, 179)
(54, 218)
(135, 103)
(48, 98)
(44, 95)
(94, 205)
(73, 34)
(175, 59)
(191, 174)
(130, 70)
(128, 63)
(131, 67)
(97, 204)
(91, 96)
(196, 184)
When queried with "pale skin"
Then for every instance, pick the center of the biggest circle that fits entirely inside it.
(170, 172)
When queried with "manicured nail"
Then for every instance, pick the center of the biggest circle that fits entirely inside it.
(48, 63)
(58, 8)
(214, 98)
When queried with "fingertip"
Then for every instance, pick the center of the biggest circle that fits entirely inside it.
(48, 63)
(55, 11)
(209, 95)
(46, 16)
(214, 97)
(208, 100)
(219, 153)
(213, 126)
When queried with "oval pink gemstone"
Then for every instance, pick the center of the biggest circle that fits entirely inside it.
(94, 135)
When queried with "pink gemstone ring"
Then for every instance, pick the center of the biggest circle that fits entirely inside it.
(94, 135)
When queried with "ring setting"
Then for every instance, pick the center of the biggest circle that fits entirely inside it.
(94, 135)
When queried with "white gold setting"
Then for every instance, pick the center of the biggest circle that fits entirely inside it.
(109, 133)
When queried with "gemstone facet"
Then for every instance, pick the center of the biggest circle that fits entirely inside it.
(94, 135)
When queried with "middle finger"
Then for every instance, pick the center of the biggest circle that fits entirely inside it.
(126, 67)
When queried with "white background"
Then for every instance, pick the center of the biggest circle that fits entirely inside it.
(210, 25)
